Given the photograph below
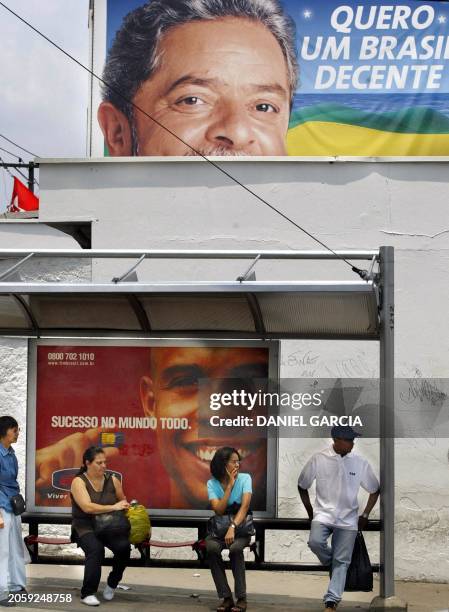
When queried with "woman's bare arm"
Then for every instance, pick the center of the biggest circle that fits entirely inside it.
(82, 498)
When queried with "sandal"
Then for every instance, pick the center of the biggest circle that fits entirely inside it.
(240, 606)
(226, 605)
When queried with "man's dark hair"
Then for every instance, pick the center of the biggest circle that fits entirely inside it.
(134, 55)
(220, 460)
(7, 422)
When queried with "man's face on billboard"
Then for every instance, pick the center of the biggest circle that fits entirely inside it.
(173, 390)
(221, 86)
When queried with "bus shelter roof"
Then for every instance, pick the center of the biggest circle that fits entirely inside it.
(225, 309)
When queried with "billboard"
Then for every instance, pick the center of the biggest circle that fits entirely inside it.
(370, 80)
(144, 403)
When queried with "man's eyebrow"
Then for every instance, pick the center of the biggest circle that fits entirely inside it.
(189, 79)
(269, 88)
(189, 369)
(250, 370)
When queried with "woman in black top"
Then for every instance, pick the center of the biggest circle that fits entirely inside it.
(93, 492)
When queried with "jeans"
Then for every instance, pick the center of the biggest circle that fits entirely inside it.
(214, 548)
(93, 548)
(12, 563)
(338, 555)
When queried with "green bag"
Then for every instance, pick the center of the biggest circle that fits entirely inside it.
(140, 523)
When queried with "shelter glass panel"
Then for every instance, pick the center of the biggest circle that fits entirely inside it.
(199, 312)
(84, 312)
(333, 313)
(12, 315)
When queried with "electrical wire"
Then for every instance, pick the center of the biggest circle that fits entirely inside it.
(3, 165)
(12, 141)
(169, 131)
(4, 189)
(19, 159)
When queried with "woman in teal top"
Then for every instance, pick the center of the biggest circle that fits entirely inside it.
(228, 489)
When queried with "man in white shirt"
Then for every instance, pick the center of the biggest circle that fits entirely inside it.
(339, 474)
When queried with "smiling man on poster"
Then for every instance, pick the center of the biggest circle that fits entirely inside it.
(217, 77)
(163, 384)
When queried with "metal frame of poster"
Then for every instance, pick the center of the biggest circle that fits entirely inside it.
(146, 405)
(373, 84)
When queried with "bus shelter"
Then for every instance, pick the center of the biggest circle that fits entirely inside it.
(361, 309)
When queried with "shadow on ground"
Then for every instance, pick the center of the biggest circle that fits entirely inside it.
(167, 599)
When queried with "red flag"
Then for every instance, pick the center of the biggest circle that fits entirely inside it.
(22, 198)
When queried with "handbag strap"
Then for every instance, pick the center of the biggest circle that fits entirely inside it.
(234, 508)
(106, 478)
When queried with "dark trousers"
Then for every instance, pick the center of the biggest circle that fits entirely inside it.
(214, 548)
(93, 548)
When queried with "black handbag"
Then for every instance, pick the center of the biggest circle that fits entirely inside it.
(218, 525)
(111, 522)
(360, 574)
(18, 504)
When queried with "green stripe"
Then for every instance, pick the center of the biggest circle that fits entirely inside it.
(408, 120)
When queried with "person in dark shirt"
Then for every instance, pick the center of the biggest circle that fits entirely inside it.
(93, 492)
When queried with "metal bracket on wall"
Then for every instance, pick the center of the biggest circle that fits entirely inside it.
(119, 279)
(249, 275)
(15, 267)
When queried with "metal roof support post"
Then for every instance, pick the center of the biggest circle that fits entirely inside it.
(387, 420)
(387, 599)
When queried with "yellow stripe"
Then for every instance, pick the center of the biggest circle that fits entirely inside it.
(322, 138)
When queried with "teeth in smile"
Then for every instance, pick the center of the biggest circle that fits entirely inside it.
(206, 453)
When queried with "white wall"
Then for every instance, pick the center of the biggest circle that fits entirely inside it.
(189, 204)
(14, 351)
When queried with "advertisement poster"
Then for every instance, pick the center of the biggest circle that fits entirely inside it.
(142, 405)
(368, 79)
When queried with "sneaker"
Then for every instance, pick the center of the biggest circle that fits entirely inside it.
(108, 593)
(330, 605)
(5, 603)
(90, 600)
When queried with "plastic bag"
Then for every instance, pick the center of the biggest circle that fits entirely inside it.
(360, 573)
(140, 523)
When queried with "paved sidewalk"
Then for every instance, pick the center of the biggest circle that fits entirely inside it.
(186, 590)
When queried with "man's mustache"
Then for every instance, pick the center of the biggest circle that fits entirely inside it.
(216, 151)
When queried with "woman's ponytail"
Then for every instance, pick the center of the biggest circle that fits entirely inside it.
(89, 455)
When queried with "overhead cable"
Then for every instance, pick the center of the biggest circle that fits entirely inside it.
(5, 167)
(169, 131)
(12, 141)
(19, 159)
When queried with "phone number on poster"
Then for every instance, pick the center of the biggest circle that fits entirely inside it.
(71, 356)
